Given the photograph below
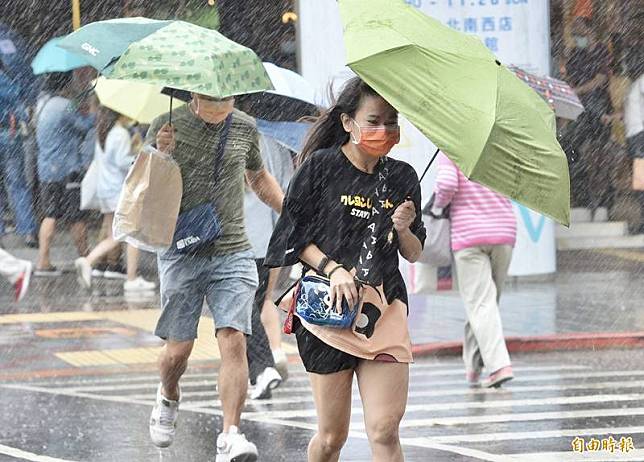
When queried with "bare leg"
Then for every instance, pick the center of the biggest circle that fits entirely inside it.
(272, 324)
(332, 395)
(45, 236)
(383, 388)
(233, 375)
(79, 234)
(114, 256)
(107, 245)
(270, 316)
(132, 262)
(172, 364)
(101, 250)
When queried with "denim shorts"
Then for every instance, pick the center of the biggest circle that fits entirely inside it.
(226, 282)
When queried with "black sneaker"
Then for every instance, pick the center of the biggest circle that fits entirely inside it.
(115, 272)
(50, 272)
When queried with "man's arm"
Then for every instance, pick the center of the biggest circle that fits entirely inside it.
(266, 187)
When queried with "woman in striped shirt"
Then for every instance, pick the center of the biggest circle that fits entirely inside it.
(483, 229)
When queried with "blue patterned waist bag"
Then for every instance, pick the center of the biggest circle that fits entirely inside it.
(313, 304)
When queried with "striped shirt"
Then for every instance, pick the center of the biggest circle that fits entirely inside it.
(478, 216)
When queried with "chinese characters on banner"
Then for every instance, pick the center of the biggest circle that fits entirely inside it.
(515, 30)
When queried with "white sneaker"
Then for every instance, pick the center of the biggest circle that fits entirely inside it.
(163, 420)
(139, 285)
(281, 363)
(84, 272)
(268, 380)
(234, 447)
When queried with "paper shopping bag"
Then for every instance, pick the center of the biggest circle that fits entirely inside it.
(148, 207)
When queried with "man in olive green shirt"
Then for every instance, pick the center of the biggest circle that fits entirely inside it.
(223, 273)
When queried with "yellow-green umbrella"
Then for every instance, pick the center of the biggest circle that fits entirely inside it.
(138, 101)
(492, 125)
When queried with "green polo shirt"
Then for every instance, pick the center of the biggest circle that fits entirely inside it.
(196, 145)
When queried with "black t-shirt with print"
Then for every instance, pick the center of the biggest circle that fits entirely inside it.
(329, 203)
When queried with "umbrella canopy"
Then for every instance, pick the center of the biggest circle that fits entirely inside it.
(448, 84)
(175, 54)
(138, 101)
(291, 135)
(52, 58)
(290, 84)
(557, 93)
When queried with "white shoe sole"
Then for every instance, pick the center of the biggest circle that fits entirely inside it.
(498, 382)
(161, 444)
(139, 290)
(48, 274)
(266, 393)
(273, 384)
(113, 275)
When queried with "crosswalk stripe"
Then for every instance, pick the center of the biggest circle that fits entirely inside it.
(508, 436)
(419, 390)
(294, 371)
(30, 456)
(523, 417)
(520, 379)
(412, 408)
(514, 389)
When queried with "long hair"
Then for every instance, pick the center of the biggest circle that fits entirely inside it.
(328, 130)
(105, 120)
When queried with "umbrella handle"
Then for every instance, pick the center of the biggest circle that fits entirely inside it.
(170, 116)
(408, 197)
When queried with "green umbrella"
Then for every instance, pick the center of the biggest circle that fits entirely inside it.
(452, 88)
(174, 54)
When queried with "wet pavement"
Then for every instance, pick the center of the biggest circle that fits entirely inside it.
(593, 291)
(78, 375)
(555, 398)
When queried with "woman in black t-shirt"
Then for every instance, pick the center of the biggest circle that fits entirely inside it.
(348, 203)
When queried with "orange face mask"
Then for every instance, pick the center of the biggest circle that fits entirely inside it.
(376, 141)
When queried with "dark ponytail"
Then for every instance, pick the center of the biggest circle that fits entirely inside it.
(105, 120)
(328, 130)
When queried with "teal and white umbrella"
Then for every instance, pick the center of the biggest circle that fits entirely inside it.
(173, 54)
(52, 58)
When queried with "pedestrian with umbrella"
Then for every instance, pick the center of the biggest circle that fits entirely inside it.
(348, 214)
(60, 131)
(113, 158)
(489, 123)
(216, 147)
